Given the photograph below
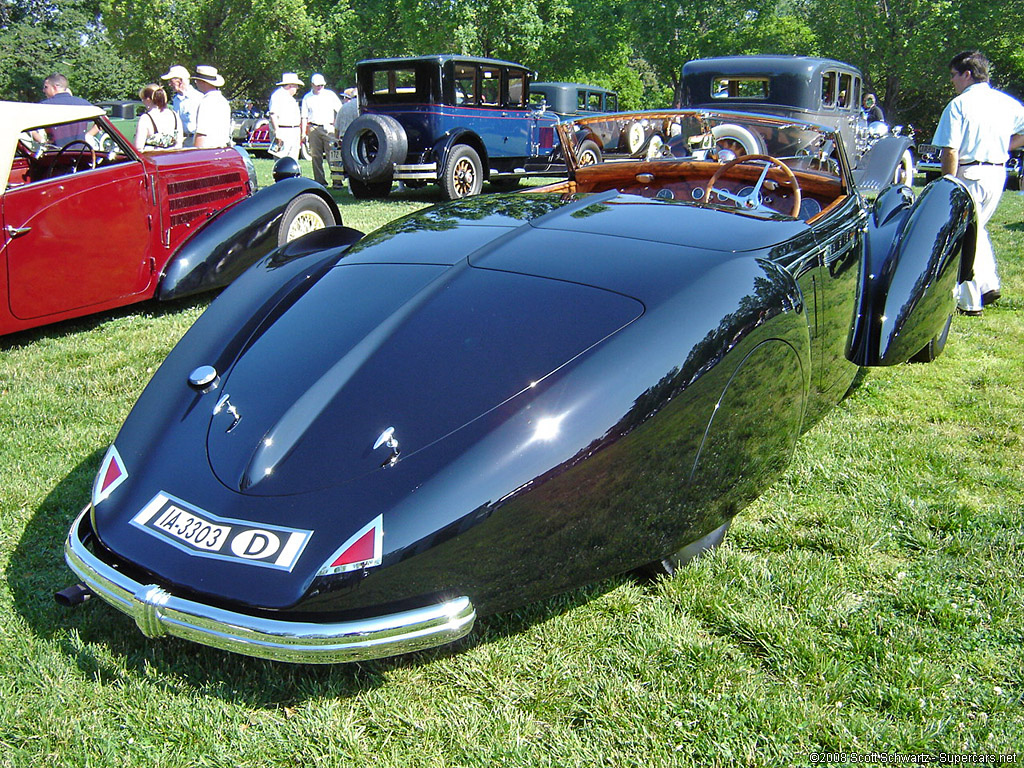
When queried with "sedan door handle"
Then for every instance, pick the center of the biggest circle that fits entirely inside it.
(14, 232)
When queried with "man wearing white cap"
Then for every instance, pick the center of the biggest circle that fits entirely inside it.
(284, 117)
(213, 118)
(319, 108)
(186, 99)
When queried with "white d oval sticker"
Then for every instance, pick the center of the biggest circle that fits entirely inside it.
(256, 544)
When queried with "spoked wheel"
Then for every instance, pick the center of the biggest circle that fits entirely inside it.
(589, 152)
(463, 173)
(306, 213)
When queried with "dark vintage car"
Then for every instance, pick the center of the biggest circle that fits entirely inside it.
(456, 121)
(124, 115)
(509, 396)
(807, 88)
(930, 165)
(573, 99)
(86, 230)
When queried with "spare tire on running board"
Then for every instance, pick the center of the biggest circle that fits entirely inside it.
(371, 147)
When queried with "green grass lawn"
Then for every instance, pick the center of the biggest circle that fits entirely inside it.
(870, 601)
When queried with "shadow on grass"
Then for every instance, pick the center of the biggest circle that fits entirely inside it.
(65, 328)
(108, 647)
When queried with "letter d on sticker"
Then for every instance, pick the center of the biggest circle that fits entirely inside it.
(255, 544)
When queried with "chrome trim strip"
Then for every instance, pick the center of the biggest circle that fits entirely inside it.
(158, 612)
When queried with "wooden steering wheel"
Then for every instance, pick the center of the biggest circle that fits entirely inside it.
(752, 200)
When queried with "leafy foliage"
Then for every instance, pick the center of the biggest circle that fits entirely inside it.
(111, 47)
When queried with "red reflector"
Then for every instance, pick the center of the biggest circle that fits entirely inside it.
(361, 550)
(114, 471)
(364, 549)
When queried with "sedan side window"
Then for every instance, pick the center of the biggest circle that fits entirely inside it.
(828, 89)
(465, 84)
(490, 87)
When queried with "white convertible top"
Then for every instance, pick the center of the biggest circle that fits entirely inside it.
(16, 117)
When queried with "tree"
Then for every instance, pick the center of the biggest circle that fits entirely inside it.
(66, 36)
(904, 46)
(251, 42)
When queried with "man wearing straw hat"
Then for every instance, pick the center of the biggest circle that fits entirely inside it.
(213, 117)
(285, 118)
(186, 99)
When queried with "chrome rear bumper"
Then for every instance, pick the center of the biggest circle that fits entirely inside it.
(158, 612)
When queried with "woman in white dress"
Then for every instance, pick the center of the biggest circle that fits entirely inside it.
(159, 127)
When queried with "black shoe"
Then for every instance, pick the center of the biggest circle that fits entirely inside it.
(969, 312)
(990, 297)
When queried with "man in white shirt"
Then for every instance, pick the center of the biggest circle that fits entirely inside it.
(284, 117)
(976, 131)
(319, 108)
(186, 100)
(213, 118)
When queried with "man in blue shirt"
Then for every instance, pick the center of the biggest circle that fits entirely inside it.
(55, 88)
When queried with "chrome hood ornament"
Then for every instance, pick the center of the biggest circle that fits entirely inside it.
(387, 438)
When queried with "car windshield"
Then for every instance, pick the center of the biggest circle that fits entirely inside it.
(700, 135)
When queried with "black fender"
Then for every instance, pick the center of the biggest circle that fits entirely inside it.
(234, 240)
(249, 302)
(454, 137)
(757, 419)
(915, 253)
(877, 166)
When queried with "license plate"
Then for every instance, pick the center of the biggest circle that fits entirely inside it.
(192, 529)
(198, 532)
(334, 157)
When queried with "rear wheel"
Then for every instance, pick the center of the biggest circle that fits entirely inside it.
(668, 565)
(934, 348)
(306, 213)
(463, 173)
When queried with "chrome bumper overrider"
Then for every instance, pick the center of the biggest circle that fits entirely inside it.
(158, 612)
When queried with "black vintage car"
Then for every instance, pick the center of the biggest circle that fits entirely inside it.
(367, 441)
(806, 88)
(573, 99)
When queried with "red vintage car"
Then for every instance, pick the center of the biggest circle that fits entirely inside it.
(87, 229)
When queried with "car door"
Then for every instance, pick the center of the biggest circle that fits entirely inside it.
(840, 241)
(83, 239)
(510, 128)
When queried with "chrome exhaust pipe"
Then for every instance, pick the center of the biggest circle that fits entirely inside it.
(73, 595)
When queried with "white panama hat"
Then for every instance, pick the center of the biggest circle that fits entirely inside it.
(177, 71)
(209, 75)
(290, 78)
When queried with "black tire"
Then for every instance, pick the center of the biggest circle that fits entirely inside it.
(589, 153)
(371, 147)
(934, 348)
(306, 213)
(669, 565)
(463, 173)
(363, 190)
